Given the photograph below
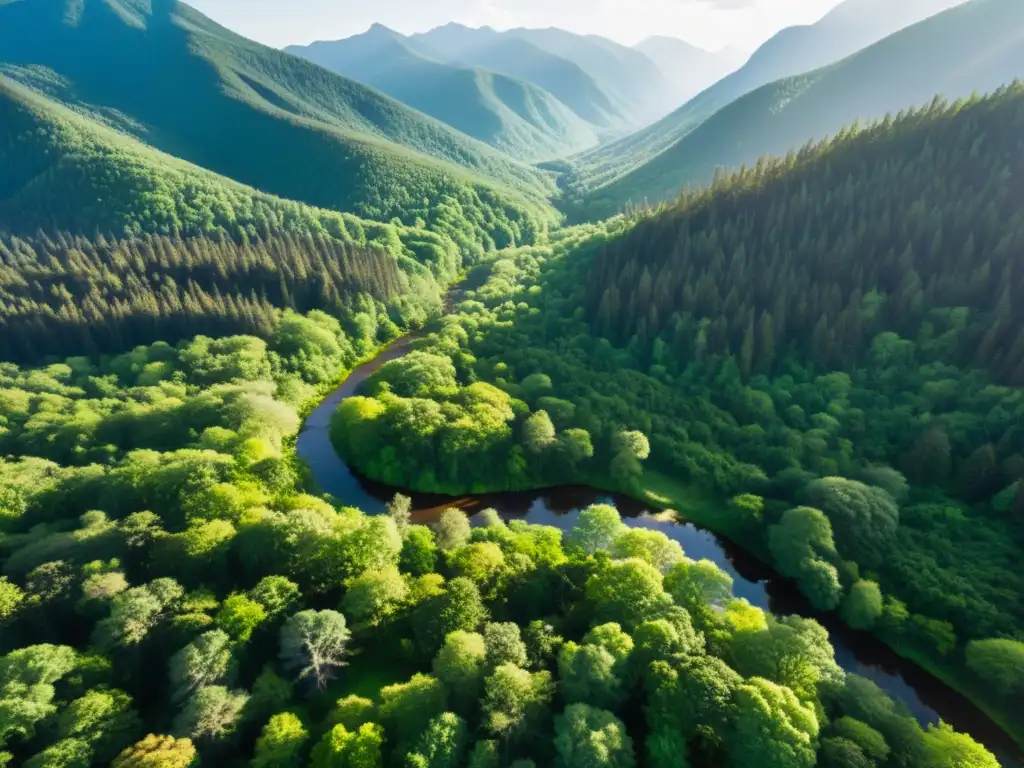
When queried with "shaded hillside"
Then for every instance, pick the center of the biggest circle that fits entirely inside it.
(195, 90)
(688, 68)
(511, 115)
(106, 243)
(66, 172)
(849, 27)
(975, 47)
(911, 227)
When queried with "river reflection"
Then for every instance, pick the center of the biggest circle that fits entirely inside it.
(927, 698)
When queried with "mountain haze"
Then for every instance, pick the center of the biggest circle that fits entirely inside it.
(848, 28)
(975, 47)
(514, 116)
(627, 74)
(606, 84)
(189, 87)
(523, 60)
(690, 69)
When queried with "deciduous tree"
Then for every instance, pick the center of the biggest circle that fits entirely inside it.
(158, 752)
(314, 645)
(586, 736)
(281, 743)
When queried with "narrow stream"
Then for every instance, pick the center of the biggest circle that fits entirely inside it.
(928, 698)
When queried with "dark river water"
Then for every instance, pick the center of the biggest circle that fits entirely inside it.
(928, 698)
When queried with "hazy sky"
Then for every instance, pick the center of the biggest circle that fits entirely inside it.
(709, 23)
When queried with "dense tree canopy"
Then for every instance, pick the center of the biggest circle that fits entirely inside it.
(291, 629)
(850, 386)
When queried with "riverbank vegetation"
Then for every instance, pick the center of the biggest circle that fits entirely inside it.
(831, 341)
(171, 593)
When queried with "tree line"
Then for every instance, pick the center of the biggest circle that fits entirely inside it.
(66, 295)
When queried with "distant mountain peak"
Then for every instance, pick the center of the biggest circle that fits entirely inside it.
(377, 35)
(456, 34)
(453, 26)
(381, 31)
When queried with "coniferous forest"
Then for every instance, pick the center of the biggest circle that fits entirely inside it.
(818, 360)
(77, 296)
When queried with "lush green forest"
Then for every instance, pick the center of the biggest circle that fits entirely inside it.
(66, 172)
(820, 357)
(512, 115)
(165, 574)
(908, 228)
(848, 376)
(182, 251)
(74, 296)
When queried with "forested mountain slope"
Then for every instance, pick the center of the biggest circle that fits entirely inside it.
(183, 84)
(850, 310)
(690, 69)
(973, 47)
(65, 171)
(511, 115)
(213, 255)
(848, 28)
(818, 253)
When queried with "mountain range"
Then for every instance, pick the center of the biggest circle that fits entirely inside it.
(626, 74)
(177, 81)
(535, 93)
(689, 68)
(974, 47)
(442, 127)
(521, 59)
(515, 116)
(849, 27)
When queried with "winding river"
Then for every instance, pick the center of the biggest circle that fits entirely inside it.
(928, 698)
